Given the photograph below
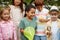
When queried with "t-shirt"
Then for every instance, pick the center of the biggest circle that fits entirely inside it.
(26, 23)
(41, 26)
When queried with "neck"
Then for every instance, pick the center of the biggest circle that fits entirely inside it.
(16, 6)
(5, 20)
(30, 19)
(54, 20)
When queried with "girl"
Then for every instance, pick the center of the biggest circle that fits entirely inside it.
(7, 27)
(16, 13)
(29, 20)
(53, 24)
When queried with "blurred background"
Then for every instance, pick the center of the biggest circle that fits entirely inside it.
(48, 3)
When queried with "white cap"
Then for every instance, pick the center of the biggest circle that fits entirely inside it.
(54, 8)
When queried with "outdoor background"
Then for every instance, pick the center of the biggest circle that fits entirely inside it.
(47, 3)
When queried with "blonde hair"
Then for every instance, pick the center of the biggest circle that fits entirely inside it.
(39, 2)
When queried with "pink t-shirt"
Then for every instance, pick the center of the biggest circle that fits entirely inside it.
(7, 30)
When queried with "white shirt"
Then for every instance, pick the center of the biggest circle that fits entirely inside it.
(16, 14)
(54, 30)
(54, 27)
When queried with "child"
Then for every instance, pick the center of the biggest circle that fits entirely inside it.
(16, 13)
(42, 18)
(53, 24)
(29, 20)
(7, 27)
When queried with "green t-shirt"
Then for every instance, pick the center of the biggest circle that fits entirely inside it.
(26, 23)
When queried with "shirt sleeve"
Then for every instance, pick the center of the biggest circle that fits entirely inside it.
(21, 25)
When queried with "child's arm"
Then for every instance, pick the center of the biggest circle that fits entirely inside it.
(1, 37)
(21, 25)
(22, 30)
(48, 30)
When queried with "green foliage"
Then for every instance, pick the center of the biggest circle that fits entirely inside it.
(52, 2)
(47, 2)
(27, 1)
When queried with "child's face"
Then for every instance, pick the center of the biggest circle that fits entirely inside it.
(54, 15)
(39, 7)
(31, 13)
(5, 15)
(17, 2)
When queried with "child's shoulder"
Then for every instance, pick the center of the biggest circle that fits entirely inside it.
(23, 19)
(58, 20)
(11, 6)
(11, 21)
(45, 9)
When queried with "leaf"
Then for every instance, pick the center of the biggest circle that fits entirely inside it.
(29, 33)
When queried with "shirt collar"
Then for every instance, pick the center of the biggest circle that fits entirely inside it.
(5, 21)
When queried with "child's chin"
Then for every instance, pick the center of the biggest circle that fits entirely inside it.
(32, 17)
(6, 19)
(54, 19)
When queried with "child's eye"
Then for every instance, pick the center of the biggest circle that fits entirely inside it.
(54, 14)
(33, 12)
(6, 13)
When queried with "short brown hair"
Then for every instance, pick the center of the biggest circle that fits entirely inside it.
(39, 2)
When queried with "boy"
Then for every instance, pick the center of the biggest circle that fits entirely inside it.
(53, 25)
(42, 18)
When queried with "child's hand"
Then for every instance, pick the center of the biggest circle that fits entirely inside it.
(10, 39)
(42, 20)
(22, 31)
(48, 34)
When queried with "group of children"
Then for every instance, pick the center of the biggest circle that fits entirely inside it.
(13, 21)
